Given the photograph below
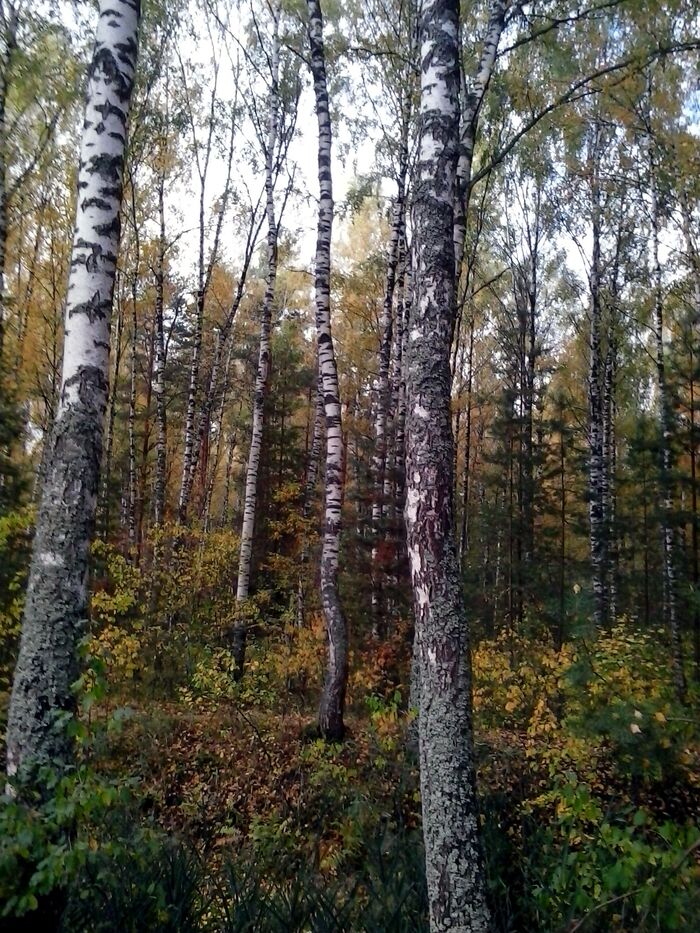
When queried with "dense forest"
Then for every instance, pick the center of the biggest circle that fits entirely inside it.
(349, 453)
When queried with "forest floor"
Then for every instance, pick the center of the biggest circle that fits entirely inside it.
(588, 770)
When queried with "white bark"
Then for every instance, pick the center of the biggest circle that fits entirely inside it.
(332, 705)
(263, 371)
(56, 608)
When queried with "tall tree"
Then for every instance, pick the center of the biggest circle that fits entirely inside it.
(454, 865)
(331, 723)
(263, 370)
(56, 608)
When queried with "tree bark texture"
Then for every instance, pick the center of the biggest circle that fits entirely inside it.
(331, 710)
(454, 863)
(55, 615)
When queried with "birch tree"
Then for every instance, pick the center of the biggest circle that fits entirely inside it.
(454, 866)
(55, 614)
(263, 370)
(665, 410)
(332, 705)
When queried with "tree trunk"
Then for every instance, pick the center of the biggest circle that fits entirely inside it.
(595, 426)
(665, 424)
(159, 370)
(314, 457)
(464, 532)
(610, 470)
(55, 614)
(10, 22)
(111, 414)
(263, 372)
(454, 865)
(472, 99)
(383, 396)
(332, 706)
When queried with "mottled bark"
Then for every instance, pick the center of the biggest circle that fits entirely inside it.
(454, 864)
(56, 608)
(332, 706)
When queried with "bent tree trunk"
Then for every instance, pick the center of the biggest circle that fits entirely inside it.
(454, 864)
(56, 608)
(332, 705)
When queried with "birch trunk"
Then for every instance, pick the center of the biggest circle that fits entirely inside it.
(595, 406)
(665, 425)
(263, 372)
(55, 614)
(309, 489)
(466, 475)
(383, 397)
(610, 470)
(10, 18)
(473, 98)
(694, 266)
(111, 414)
(331, 724)
(454, 864)
(159, 369)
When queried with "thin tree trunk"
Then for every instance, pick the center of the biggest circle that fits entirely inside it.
(561, 628)
(665, 424)
(309, 490)
(56, 608)
(595, 426)
(211, 478)
(383, 397)
(197, 426)
(332, 706)
(610, 470)
(111, 413)
(472, 99)
(29, 290)
(131, 514)
(694, 264)
(9, 45)
(159, 370)
(464, 533)
(263, 371)
(454, 864)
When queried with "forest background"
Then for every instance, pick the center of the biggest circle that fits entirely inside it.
(205, 795)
